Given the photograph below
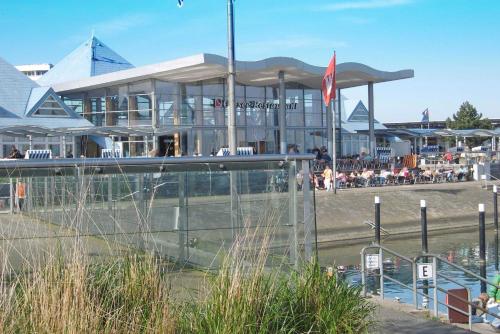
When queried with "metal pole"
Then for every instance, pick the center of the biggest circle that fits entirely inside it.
(329, 128)
(63, 151)
(231, 78)
(334, 148)
(377, 220)
(282, 113)
(363, 273)
(12, 195)
(339, 112)
(381, 269)
(495, 220)
(414, 285)
(308, 214)
(435, 290)
(231, 115)
(482, 247)
(495, 207)
(425, 248)
(292, 213)
(371, 119)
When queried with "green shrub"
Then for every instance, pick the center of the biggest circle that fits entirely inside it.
(133, 295)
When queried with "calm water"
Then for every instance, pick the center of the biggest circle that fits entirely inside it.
(461, 248)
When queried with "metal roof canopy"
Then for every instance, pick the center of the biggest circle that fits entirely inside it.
(118, 131)
(420, 133)
(254, 73)
(66, 167)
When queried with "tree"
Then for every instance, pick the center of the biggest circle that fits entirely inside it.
(467, 117)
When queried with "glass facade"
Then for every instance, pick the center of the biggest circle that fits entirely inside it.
(199, 112)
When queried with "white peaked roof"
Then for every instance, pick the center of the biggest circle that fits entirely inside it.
(91, 58)
(20, 98)
(359, 114)
(358, 120)
(255, 73)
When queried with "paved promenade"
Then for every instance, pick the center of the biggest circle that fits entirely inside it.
(398, 319)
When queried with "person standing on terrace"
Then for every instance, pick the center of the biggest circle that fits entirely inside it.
(327, 178)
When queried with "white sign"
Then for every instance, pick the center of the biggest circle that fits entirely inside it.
(372, 261)
(425, 271)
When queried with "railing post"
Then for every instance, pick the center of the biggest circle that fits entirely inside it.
(381, 268)
(435, 291)
(363, 273)
(12, 195)
(292, 213)
(495, 221)
(495, 207)
(377, 220)
(482, 247)
(308, 213)
(414, 285)
(425, 249)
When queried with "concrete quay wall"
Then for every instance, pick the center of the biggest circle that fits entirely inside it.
(450, 206)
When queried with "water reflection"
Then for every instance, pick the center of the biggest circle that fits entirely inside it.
(461, 248)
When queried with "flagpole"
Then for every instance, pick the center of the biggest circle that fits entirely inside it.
(231, 78)
(231, 119)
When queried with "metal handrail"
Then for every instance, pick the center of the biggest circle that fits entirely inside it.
(435, 287)
(466, 271)
(381, 252)
(456, 266)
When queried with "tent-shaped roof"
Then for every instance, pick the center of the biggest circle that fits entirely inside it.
(91, 58)
(359, 114)
(15, 90)
(23, 102)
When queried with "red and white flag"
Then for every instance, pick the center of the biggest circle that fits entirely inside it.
(329, 85)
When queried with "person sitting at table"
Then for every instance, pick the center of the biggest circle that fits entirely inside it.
(462, 173)
(403, 175)
(383, 176)
(427, 175)
(449, 175)
(367, 176)
(341, 179)
(352, 179)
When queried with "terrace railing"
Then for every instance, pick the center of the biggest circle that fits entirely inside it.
(190, 210)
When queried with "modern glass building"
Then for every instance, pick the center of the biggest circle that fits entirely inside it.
(179, 107)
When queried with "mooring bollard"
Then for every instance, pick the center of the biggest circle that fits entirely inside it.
(423, 224)
(377, 220)
(482, 247)
(425, 248)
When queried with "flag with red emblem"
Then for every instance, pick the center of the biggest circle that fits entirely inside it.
(329, 81)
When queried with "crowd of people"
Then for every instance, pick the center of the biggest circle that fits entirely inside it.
(364, 171)
(371, 178)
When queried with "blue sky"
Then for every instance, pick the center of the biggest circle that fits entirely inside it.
(453, 45)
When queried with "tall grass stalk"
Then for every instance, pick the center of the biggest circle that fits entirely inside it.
(244, 297)
(133, 296)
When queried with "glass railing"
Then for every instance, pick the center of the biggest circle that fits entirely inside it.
(189, 210)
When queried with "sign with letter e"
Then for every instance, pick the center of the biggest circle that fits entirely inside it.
(425, 271)
(372, 261)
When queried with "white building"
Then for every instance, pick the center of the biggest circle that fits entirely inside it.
(34, 71)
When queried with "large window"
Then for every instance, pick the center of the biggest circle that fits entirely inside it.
(294, 107)
(50, 108)
(213, 104)
(313, 107)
